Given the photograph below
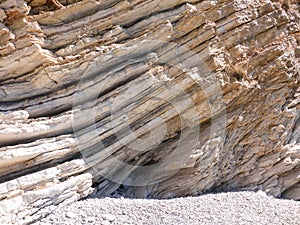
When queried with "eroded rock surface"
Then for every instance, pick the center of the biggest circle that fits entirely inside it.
(151, 98)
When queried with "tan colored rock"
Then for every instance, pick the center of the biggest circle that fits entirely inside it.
(147, 98)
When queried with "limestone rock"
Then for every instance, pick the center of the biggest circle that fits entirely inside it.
(146, 98)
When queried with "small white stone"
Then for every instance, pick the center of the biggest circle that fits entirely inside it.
(261, 192)
(105, 222)
(91, 219)
(109, 217)
(71, 215)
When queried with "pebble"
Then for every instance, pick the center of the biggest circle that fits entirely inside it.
(71, 215)
(105, 222)
(109, 217)
(91, 219)
(245, 208)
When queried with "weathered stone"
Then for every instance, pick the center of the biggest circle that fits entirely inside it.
(146, 98)
(27, 195)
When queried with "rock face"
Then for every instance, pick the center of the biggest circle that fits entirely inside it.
(148, 98)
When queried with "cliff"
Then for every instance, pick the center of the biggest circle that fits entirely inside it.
(146, 98)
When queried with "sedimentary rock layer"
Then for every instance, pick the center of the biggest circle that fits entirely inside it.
(151, 98)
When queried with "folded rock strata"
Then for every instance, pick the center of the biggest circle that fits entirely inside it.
(148, 98)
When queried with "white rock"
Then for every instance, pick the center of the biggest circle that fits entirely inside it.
(105, 222)
(109, 217)
(71, 215)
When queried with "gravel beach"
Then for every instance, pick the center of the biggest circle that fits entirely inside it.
(211, 209)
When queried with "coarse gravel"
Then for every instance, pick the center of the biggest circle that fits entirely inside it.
(241, 208)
